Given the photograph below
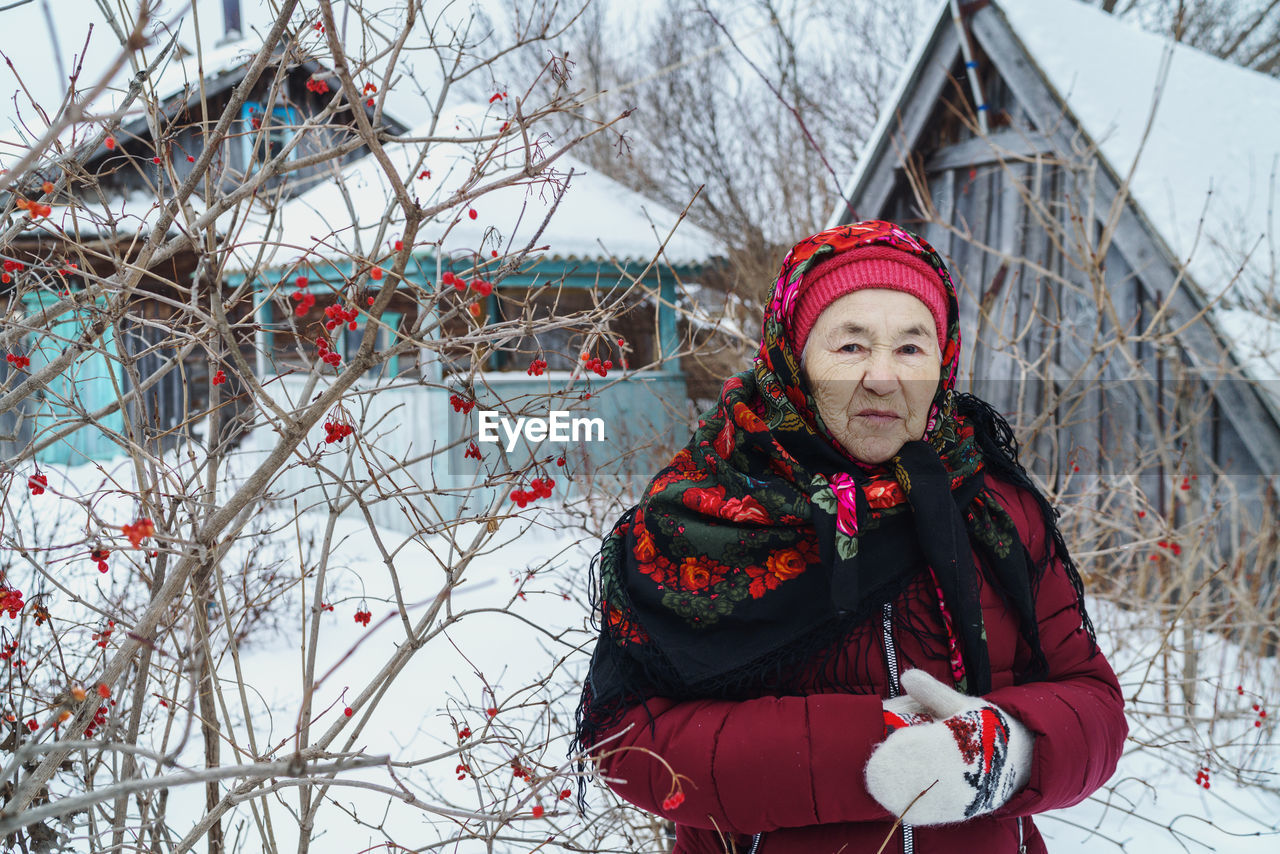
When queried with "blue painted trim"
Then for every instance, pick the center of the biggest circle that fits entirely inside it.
(284, 120)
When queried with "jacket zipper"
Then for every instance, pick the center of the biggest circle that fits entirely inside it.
(1022, 846)
(895, 688)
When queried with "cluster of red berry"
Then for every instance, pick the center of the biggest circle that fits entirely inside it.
(18, 361)
(10, 267)
(304, 299)
(139, 531)
(7, 651)
(370, 88)
(461, 404)
(219, 378)
(37, 483)
(363, 617)
(320, 87)
(673, 800)
(480, 286)
(538, 488)
(519, 771)
(99, 720)
(498, 96)
(329, 357)
(464, 733)
(99, 556)
(10, 601)
(1202, 777)
(473, 452)
(462, 771)
(34, 209)
(336, 431)
(594, 364)
(536, 367)
(103, 636)
(338, 315)
(1170, 545)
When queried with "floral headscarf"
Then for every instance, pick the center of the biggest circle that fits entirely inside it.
(763, 546)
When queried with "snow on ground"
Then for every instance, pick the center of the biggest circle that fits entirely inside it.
(491, 657)
(1152, 804)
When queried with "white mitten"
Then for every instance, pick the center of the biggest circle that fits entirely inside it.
(903, 710)
(971, 757)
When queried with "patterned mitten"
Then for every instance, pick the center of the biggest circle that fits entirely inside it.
(903, 711)
(971, 757)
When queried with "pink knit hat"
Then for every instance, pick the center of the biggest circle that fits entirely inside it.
(869, 267)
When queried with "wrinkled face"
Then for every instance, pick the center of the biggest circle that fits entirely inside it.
(873, 365)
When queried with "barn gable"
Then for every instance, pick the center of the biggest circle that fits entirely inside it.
(1018, 207)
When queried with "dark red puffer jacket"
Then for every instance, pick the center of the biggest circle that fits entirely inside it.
(791, 768)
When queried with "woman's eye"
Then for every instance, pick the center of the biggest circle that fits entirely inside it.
(911, 349)
(850, 348)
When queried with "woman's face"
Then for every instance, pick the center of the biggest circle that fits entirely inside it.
(873, 364)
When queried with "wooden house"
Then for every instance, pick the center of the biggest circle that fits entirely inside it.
(1103, 197)
(112, 204)
(529, 262)
(319, 222)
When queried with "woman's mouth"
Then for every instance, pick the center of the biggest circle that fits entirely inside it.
(878, 417)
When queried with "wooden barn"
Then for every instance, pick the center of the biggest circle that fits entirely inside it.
(1104, 199)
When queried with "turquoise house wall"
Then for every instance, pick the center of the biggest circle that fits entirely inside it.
(644, 409)
(92, 381)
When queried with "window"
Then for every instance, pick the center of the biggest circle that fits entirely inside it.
(265, 136)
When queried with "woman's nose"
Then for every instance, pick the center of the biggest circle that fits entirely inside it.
(880, 377)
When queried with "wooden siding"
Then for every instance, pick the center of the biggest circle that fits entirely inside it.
(1030, 336)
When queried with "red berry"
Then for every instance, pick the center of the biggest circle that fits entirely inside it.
(537, 812)
(376, 273)
(472, 213)
(347, 711)
(491, 712)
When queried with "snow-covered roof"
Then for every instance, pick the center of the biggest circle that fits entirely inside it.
(597, 219)
(180, 71)
(1206, 177)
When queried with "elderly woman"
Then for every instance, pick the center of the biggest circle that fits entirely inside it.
(844, 602)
